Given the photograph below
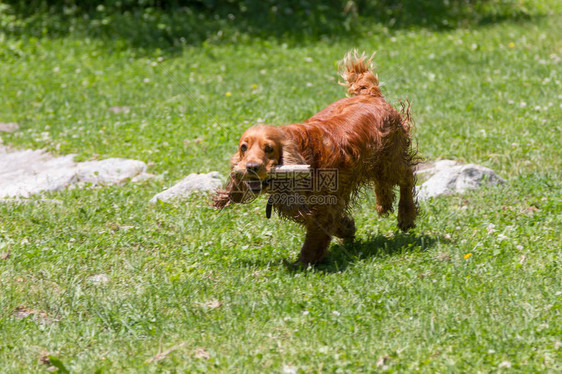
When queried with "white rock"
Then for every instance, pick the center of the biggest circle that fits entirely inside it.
(109, 171)
(193, 182)
(430, 168)
(455, 178)
(30, 201)
(8, 127)
(27, 172)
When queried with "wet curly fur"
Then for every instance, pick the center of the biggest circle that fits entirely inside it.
(363, 137)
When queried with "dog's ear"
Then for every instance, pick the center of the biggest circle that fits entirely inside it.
(290, 154)
(233, 192)
(234, 160)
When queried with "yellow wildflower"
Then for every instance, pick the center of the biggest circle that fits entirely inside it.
(227, 94)
(467, 256)
(254, 86)
(511, 45)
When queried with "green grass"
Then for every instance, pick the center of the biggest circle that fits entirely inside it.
(455, 295)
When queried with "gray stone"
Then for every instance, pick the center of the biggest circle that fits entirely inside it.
(428, 169)
(8, 127)
(193, 182)
(119, 109)
(452, 177)
(109, 171)
(30, 201)
(27, 172)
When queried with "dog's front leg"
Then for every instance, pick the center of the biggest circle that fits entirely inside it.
(315, 244)
(345, 228)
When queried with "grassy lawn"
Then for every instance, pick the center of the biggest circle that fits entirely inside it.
(476, 287)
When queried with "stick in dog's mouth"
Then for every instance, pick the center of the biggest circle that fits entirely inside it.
(278, 172)
(282, 171)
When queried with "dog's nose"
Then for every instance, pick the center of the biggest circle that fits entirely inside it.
(253, 167)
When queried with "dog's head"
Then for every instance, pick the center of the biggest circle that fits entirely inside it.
(260, 148)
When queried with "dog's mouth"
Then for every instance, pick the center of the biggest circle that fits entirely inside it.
(255, 185)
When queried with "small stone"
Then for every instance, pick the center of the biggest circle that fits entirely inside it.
(8, 126)
(99, 279)
(444, 257)
(212, 304)
(504, 365)
(383, 361)
(289, 369)
(36, 315)
(119, 109)
(21, 313)
(201, 353)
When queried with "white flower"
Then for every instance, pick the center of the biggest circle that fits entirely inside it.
(336, 313)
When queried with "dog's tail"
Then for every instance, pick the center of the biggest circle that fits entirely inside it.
(357, 70)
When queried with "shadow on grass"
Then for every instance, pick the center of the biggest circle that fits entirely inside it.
(168, 26)
(341, 256)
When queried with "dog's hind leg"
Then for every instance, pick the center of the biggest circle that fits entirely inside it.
(407, 208)
(385, 197)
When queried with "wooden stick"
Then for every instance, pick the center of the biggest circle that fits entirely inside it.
(288, 171)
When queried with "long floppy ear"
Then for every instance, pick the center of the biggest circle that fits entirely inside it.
(234, 191)
(290, 154)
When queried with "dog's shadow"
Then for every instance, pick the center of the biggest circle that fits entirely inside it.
(341, 256)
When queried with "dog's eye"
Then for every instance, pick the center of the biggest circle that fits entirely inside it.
(268, 149)
(243, 148)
